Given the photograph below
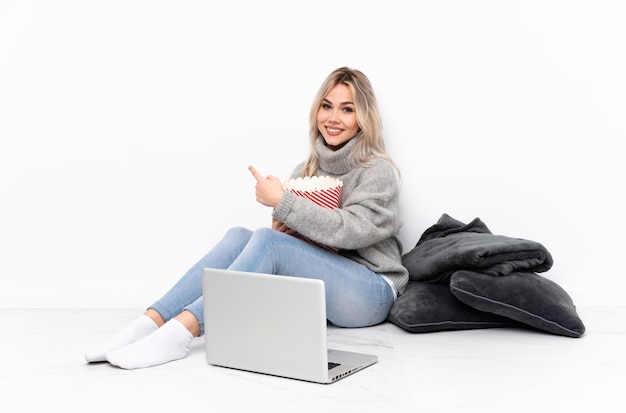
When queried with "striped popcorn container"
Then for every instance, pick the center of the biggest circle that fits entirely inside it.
(323, 190)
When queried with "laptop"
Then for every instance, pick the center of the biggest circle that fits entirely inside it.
(272, 324)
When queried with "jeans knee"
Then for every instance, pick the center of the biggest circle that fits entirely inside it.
(264, 237)
(264, 233)
(238, 232)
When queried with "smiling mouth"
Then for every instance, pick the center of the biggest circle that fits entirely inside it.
(333, 131)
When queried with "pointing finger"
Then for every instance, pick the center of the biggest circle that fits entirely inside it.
(255, 173)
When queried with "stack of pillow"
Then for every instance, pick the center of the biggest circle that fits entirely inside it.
(464, 277)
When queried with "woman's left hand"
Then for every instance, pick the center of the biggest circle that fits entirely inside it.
(269, 190)
(282, 227)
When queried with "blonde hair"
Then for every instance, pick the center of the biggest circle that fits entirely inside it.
(370, 142)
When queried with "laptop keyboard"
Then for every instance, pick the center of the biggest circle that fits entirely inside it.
(332, 365)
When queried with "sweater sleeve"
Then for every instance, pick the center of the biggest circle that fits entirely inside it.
(368, 215)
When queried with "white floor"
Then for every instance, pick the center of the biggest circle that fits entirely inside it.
(498, 370)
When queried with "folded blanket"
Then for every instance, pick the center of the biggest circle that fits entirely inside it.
(451, 245)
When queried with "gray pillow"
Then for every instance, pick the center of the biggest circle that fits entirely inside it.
(426, 307)
(525, 297)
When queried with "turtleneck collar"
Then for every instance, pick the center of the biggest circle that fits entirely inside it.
(335, 162)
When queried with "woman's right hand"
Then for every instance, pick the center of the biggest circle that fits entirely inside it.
(269, 190)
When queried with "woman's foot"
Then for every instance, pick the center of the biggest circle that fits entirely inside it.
(170, 342)
(137, 330)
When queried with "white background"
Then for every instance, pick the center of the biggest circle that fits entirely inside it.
(126, 128)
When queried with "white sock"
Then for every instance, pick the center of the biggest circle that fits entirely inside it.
(170, 342)
(136, 330)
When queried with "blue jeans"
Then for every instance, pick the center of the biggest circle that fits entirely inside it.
(355, 295)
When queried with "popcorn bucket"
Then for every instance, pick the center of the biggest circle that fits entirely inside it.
(323, 190)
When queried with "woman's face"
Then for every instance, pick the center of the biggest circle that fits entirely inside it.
(336, 117)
